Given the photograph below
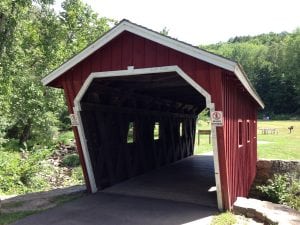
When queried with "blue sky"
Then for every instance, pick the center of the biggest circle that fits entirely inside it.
(205, 21)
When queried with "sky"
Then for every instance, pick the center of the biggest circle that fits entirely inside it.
(201, 22)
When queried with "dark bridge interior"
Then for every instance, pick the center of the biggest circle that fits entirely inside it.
(134, 124)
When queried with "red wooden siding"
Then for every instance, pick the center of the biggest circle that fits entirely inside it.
(239, 161)
(237, 164)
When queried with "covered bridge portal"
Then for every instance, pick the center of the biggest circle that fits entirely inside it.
(136, 95)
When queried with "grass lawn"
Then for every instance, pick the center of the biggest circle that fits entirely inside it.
(204, 145)
(283, 145)
(7, 218)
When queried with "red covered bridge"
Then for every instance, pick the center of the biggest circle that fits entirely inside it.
(132, 81)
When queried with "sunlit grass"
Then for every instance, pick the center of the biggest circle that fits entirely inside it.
(283, 145)
(8, 218)
(202, 144)
(66, 137)
(226, 218)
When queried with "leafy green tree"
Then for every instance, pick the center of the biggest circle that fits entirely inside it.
(80, 25)
(39, 41)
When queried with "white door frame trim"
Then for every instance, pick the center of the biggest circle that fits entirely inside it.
(133, 72)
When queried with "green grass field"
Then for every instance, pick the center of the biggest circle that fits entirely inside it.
(283, 145)
(204, 145)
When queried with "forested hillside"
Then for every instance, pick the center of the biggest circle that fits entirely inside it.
(272, 62)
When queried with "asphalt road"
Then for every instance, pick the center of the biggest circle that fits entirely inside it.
(174, 194)
(114, 209)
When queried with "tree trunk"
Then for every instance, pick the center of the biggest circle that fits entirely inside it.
(25, 133)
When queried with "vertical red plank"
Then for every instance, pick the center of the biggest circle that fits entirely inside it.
(175, 58)
(138, 51)
(127, 45)
(189, 66)
(67, 91)
(150, 53)
(106, 59)
(74, 81)
(116, 46)
(86, 70)
(162, 57)
(202, 75)
(95, 61)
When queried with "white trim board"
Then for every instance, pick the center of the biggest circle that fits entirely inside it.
(198, 53)
(134, 72)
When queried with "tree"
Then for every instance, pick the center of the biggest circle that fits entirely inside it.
(39, 41)
(272, 64)
(165, 31)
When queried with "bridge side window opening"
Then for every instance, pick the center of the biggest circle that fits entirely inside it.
(131, 133)
(180, 129)
(248, 131)
(156, 134)
(240, 133)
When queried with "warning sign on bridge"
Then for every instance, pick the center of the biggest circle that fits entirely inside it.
(217, 118)
(74, 120)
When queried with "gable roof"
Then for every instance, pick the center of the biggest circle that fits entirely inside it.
(183, 47)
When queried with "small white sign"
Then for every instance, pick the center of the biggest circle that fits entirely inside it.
(217, 118)
(74, 120)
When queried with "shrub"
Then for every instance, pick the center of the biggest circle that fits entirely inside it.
(65, 138)
(71, 160)
(18, 171)
(64, 119)
(76, 177)
(3, 125)
(282, 189)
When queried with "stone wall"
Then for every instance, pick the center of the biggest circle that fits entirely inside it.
(265, 169)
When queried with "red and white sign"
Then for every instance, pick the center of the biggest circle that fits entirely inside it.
(217, 118)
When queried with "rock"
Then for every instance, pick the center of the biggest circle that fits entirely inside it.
(266, 211)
